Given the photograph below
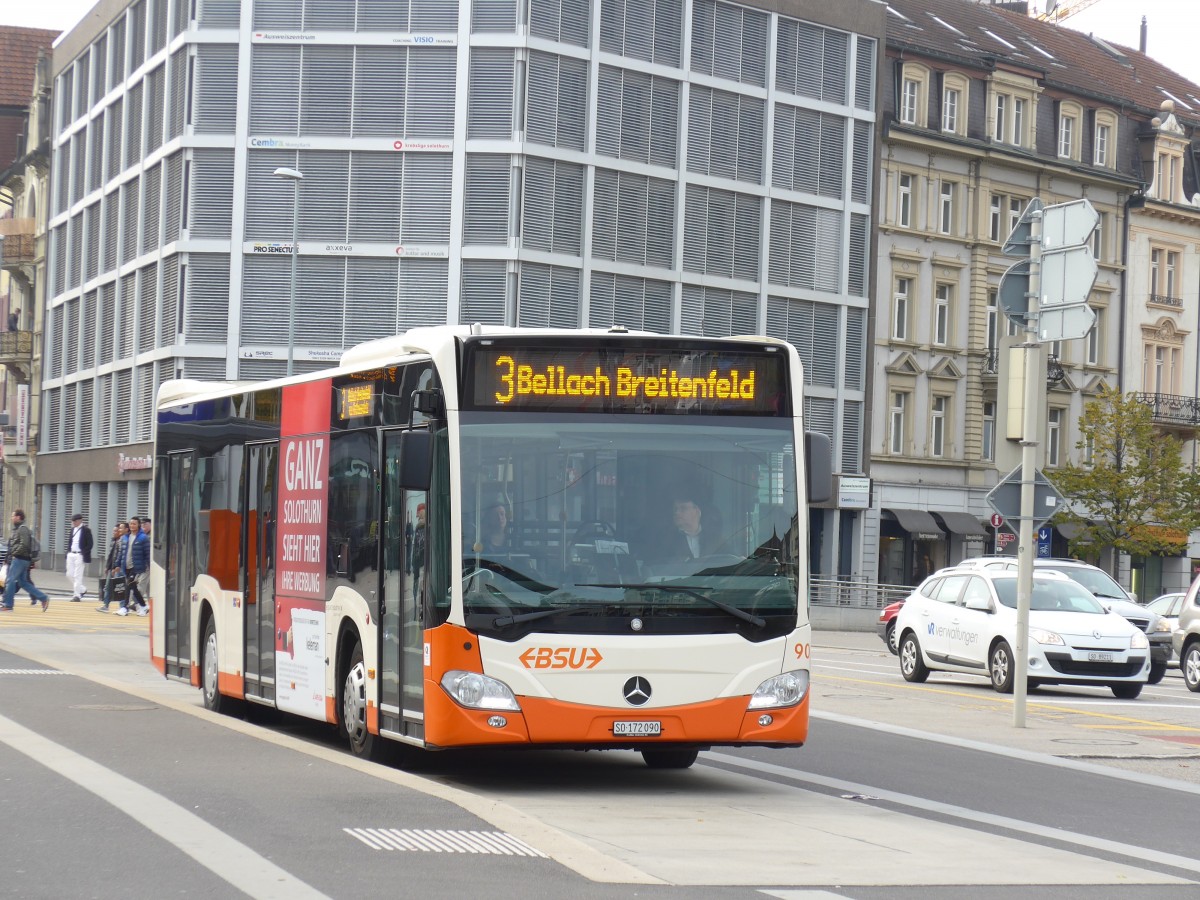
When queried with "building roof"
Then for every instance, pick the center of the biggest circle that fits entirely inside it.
(982, 35)
(18, 58)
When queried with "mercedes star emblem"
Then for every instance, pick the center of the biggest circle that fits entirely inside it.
(636, 690)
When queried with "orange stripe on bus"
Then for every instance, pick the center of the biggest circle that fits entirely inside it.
(231, 685)
(543, 721)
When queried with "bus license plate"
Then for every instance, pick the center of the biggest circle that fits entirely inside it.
(637, 729)
(1100, 657)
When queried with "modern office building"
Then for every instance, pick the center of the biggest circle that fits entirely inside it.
(668, 165)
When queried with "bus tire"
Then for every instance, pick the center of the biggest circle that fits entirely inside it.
(214, 700)
(353, 708)
(669, 759)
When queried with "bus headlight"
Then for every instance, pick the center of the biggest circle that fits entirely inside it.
(476, 691)
(787, 689)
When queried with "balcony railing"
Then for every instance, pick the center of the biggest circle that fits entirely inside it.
(1164, 300)
(1173, 409)
(1054, 369)
(16, 345)
(17, 243)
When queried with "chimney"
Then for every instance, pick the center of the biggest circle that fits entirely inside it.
(1142, 43)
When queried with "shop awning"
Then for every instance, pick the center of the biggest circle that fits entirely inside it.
(962, 523)
(918, 523)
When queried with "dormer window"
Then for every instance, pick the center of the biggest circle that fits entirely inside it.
(955, 89)
(1104, 136)
(1069, 117)
(914, 95)
(908, 102)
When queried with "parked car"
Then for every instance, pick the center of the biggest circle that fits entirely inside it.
(1168, 606)
(1107, 591)
(965, 621)
(1187, 637)
(887, 625)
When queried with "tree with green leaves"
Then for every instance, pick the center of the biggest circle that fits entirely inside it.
(1130, 475)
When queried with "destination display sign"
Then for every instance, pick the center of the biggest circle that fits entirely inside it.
(614, 380)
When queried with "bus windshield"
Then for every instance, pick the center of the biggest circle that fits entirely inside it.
(661, 525)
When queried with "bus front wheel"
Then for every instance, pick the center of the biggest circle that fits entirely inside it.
(209, 674)
(354, 708)
(669, 759)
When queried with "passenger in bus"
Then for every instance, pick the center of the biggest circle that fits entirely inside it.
(493, 527)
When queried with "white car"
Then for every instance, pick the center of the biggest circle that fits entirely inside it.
(966, 621)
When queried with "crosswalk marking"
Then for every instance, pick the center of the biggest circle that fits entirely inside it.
(31, 672)
(499, 843)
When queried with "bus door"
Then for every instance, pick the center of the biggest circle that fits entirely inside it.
(258, 588)
(403, 566)
(180, 565)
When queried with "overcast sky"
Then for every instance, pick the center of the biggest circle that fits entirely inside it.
(1172, 38)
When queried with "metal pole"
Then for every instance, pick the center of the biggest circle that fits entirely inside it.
(292, 302)
(1035, 412)
(295, 176)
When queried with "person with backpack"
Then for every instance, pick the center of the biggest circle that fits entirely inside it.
(21, 552)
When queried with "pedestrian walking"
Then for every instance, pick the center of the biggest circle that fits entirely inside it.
(79, 554)
(20, 560)
(112, 584)
(135, 565)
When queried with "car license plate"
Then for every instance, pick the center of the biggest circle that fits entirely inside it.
(637, 729)
(1096, 656)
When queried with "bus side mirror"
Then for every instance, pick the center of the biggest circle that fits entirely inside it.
(416, 460)
(818, 469)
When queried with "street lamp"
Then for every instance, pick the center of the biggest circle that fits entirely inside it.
(295, 176)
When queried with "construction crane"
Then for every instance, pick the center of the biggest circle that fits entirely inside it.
(1057, 10)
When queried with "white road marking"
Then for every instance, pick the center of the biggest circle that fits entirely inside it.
(1047, 759)
(805, 895)
(1090, 843)
(216, 851)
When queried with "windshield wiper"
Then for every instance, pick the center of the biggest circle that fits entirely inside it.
(756, 621)
(506, 621)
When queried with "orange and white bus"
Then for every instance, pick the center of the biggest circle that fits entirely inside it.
(496, 537)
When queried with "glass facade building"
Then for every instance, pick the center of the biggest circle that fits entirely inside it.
(666, 165)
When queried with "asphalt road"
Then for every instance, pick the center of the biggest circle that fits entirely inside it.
(115, 783)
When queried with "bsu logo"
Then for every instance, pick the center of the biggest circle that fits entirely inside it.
(560, 658)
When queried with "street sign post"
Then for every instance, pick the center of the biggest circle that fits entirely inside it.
(1048, 296)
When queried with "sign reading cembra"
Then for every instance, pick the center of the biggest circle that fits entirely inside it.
(615, 380)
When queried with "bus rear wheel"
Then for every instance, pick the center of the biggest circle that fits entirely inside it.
(354, 708)
(669, 759)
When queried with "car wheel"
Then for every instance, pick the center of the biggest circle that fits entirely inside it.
(1158, 671)
(669, 759)
(1190, 664)
(1126, 691)
(912, 666)
(1000, 667)
(890, 637)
